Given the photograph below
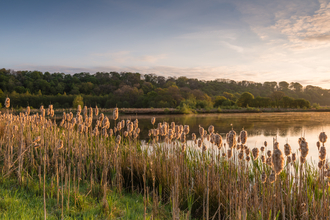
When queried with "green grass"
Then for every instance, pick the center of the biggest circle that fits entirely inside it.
(26, 202)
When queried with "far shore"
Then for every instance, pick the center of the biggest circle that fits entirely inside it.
(162, 111)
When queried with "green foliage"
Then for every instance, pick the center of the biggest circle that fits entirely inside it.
(78, 101)
(316, 106)
(245, 99)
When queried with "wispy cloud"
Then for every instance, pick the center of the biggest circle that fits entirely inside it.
(307, 31)
(123, 57)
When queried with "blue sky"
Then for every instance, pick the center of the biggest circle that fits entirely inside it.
(256, 40)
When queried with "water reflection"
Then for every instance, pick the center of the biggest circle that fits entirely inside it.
(286, 127)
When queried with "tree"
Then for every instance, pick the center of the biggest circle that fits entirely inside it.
(277, 97)
(283, 86)
(245, 99)
(219, 100)
(78, 101)
(297, 87)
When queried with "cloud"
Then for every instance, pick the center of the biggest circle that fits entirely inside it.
(307, 31)
(123, 57)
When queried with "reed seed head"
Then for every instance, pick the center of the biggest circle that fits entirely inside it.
(278, 161)
(265, 143)
(243, 136)
(323, 137)
(115, 114)
(323, 153)
(287, 149)
(255, 153)
(211, 129)
(231, 139)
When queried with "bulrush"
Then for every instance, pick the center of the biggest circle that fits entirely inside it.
(269, 153)
(218, 140)
(243, 136)
(199, 143)
(96, 111)
(240, 155)
(318, 145)
(229, 153)
(294, 158)
(201, 131)
(183, 148)
(7, 102)
(204, 147)
(255, 153)
(28, 110)
(287, 149)
(269, 161)
(265, 143)
(231, 139)
(278, 161)
(248, 158)
(118, 139)
(79, 110)
(320, 164)
(272, 177)
(323, 153)
(276, 145)
(263, 159)
(183, 138)
(186, 129)
(262, 149)
(303, 147)
(193, 136)
(115, 114)
(153, 120)
(211, 129)
(323, 137)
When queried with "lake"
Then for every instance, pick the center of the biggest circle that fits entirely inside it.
(286, 127)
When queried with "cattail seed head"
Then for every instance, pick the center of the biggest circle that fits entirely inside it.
(323, 153)
(263, 159)
(204, 147)
(186, 129)
(115, 114)
(318, 145)
(287, 149)
(183, 148)
(303, 147)
(193, 136)
(269, 153)
(247, 158)
(302, 159)
(201, 131)
(118, 139)
(211, 129)
(288, 159)
(255, 153)
(294, 158)
(265, 143)
(7, 102)
(278, 161)
(272, 177)
(262, 149)
(320, 164)
(229, 153)
(240, 155)
(199, 143)
(276, 145)
(96, 111)
(231, 139)
(243, 136)
(269, 161)
(323, 137)
(153, 120)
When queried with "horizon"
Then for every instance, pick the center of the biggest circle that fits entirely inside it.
(254, 40)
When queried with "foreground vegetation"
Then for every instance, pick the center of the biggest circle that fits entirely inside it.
(204, 176)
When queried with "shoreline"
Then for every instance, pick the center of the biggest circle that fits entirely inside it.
(171, 111)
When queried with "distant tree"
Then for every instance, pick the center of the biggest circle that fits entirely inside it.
(297, 87)
(219, 100)
(78, 101)
(283, 86)
(276, 97)
(245, 99)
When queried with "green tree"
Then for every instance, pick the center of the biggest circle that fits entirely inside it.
(245, 99)
(219, 100)
(78, 100)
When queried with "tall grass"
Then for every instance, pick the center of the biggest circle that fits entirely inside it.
(204, 178)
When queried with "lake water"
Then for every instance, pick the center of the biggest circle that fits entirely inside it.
(286, 127)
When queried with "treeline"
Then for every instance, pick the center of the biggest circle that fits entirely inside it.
(126, 89)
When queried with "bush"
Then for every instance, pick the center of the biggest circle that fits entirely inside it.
(78, 101)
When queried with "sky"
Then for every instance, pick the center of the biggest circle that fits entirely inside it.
(254, 40)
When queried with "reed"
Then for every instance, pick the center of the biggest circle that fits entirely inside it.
(210, 176)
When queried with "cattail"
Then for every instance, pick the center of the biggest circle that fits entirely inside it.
(278, 161)
(183, 138)
(269, 161)
(193, 136)
(287, 149)
(265, 143)
(239, 139)
(255, 153)
(78, 109)
(229, 153)
(323, 153)
(318, 145)
(262, 149)
(118, 126)
(27, 110)
(327, 166)
(204, 147)
(269, 153)
(323, 137)
(153, 120)
(303, 147)
(320, 164)
(199, 143)
(224, 154)
(173, 125)
(272, 177)
(243, 136)
(247, 158)
(294, 157)
(240, 155)
(118, 139)
(276, 145)
(208, 137)
(186, 129)
(231, 139)
(201, 131)
(125, 133)
(263, 177)
(60, 145)
(115, 114)
(7, 102)
(263, 159)
(239, 146)
(247, 151)
(302, 159)
(211, 129)
(96, 111)
(218, 140)
(183, 148)
(288, 159)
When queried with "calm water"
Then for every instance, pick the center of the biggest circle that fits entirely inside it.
(286, 127)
